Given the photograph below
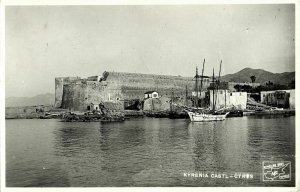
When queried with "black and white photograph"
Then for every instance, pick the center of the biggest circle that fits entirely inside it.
(150, 95)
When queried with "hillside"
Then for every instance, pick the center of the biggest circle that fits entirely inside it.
(261, 75)
(44, 99)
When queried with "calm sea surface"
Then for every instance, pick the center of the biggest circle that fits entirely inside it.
(145, 152)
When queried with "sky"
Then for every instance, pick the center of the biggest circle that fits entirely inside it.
(44, 42)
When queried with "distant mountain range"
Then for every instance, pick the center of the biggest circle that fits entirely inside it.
(43, 99)
(261, 75)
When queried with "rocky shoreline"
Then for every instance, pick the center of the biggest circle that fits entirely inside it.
(107, 115)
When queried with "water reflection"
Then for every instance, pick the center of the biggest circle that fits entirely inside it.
(103, 140)
(207, 147)
(143, 152)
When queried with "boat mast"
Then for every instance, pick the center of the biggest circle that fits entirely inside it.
(213, 108)
(218, 82)
(196, 87)
(201, 82)
(186, 95)
(220, 72)
(172, 100)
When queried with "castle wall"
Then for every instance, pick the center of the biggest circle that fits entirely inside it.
(133, 86)
(76, 94)
(157, 104)
(58, 91)
(94, 78)
(59, 86)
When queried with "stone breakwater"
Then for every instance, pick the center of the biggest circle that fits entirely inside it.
(109, 116)
(31, 112)
(49, 112)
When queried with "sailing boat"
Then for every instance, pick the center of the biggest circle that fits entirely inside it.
(195, 116)
(205, 115)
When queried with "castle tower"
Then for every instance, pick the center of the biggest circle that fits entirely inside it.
(59, 85)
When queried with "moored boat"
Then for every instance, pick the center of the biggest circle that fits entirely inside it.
(207, 115)
(195, 116)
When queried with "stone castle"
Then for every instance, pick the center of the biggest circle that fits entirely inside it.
(75, 93)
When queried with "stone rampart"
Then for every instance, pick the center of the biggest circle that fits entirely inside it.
(74, 93)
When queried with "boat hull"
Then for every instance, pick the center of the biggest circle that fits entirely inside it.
(200, 117)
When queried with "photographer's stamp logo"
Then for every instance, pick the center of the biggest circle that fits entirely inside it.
(276, 170)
